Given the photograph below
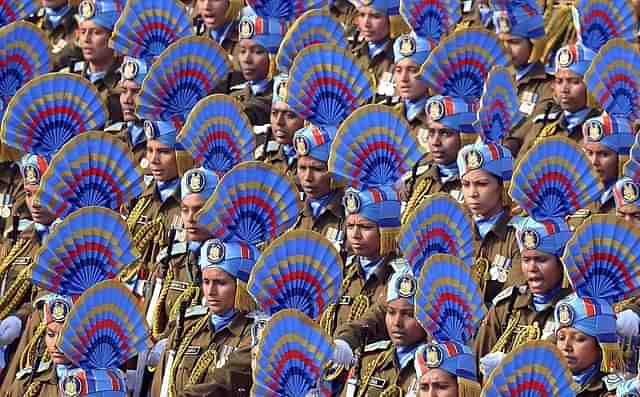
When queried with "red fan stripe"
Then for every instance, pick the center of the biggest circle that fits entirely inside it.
(451, 349)
(110, 324)
(77, 251)
(76, 116)
(549, 227)
(322, 81)
(293, 355)
(306, 277)
(597, 14)
(371, 148)
(423, 4)
(240, 202)
(16, 58)
(318, 138)
(439, 232)
(244, 251)
(493, 150)
(521, 389)
(173, 78)
(377, 195)
(589, 308)
(8, 11)
(477, 64)
(449, 297)
(608, 258)
(93, 171)
(563, 180)
(217, 135)
(148, 27)
(615, 80)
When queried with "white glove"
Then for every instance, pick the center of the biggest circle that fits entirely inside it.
(10, 329)
(627, 323)
(342, 353)
(489, 362)
(153, 358)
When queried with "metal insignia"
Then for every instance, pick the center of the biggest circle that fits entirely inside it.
(215, 252)
(630, 192)
(149, 130)
(530, 239)
(352, 202)
(473, 159)
(406, 286)
(246, 29)
(302, 145)
(72, 386)
(504, 24)
(407, 46)
(130, 70)
(565, 314)
(31, 175)
(595, 130)
(196, 181)
(87, 9)
(436, 110)
(281, 89)
(565, 58)
(434, 356)
(59, 310)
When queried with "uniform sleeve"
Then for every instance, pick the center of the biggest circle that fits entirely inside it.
(489, 331)
(373, 319)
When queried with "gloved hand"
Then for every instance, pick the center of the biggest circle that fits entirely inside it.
(153, 358)
(630, 388)
(489, 362)
(627, 323)
(10, 329)
(342, 353)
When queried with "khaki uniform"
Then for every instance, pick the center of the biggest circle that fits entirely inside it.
(346, 14)
(373, 320)
(513, 321)
(107, 86)
(380, 66)
(178, 277)
(380, 373)
(418, 124)
(535, 91)
(62, 39)
(330, 223)
(12, 198)
(601, 385)
(44, 384)
(222, 359)
(553, 124)
(470, 15)
(149, 221)
(271, 153)
(423, 182)
(356, 294)
(138, 150)
(256, 107)
(497, 262)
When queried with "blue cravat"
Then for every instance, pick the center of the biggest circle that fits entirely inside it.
(608, 194)
(136, 133)
(95, 76)
(485, 225)
(318, 205)
(258, 87)
(220, 34)
(522, 71)
(194, 246)
(369, 266)
(55, 16)
(413, 108)
(289, 153)
(405, 354)
(448, 172)
(166, 189)
(541, 301)
(572, 120)
(220, 321)
(42, 230)
(376, 48)
(583, 377)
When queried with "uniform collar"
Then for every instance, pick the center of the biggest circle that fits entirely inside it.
(220, 35)
(168, 188)
(523, 71)
(448, 172)
(584, 378)
(219, 322)
(259, 87)
(573, 120)
(376, 49)
(543, 301)
(414, 108)
(486, 225)
(405, 354)
(607, 194)
(136, 133)
(537, 72)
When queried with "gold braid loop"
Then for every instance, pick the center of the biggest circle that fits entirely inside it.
(16, 294)
(526, 334)
(360, 305)
(137, 211)
(372, 367)
(34, 389)
(184, 345)
(392, 391)
(157, 328)
(17, 250)
(418, 196)
(29, 354)
(328, 321)
(191, 294)
(505, 338)
(202, 365)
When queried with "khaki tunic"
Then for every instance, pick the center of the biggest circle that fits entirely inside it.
(62, 40)
(139, 150)
(222, 359)
(356, 294)
(381, 65)
(470, 15)
(149, 221)
(380, 372)
(330, 222)
(535, 91)
(45, 384)
(256, 107)
(272, 153)
(513, 317)
(12, 199)
(106, 86)
(497, 262)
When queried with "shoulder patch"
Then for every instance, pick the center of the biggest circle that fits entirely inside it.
(261, 129)
(553, 116)
(238, 87)
(78, 66)
(115, 127)
(420, 171)
(381, 345)
(196, 311)
(612, 381)
(504, 294)
(176, 249)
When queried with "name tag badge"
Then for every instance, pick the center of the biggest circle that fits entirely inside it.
(193, 351)
(179, 286)
(528, 102)
(467, 5)
(345, 300)
(22, 260)
(378, 383)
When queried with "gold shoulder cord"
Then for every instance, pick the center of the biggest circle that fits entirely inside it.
(416, 198)
(191, 294)
(34, 389)
(17, 250)
(186, 342)
(518, 335)
(29, 353)
(506, 336)
(156, 327)
(17, 292)
(203, 364)
(328, 318)
(372, 367)
(526, 333)
(137, 211)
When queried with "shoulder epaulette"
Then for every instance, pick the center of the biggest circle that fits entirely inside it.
(398, 264)
(381, 345)
(612, 381)
(196, 311)
(552, 116)
(504, 294)
(115, 127)
(176, 249)
(238, 87)
(27, 371)
(420, 171)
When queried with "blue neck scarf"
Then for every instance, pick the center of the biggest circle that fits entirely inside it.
(522, 71)
(219, 35)
(218, 322)
(167, 188)
(42, 230)
(136, 133)
(290, 153)
(485, 225)
(583, 377)
(318, 205)
(405, 354)
(61, 371)
(542, 301)
(413, 108)
(93, 77)
(448, 172)
(54, 16)
(607, 194)
(194, 246)
(258, 87)
(376, 48)
(369, 266)
(573, 120)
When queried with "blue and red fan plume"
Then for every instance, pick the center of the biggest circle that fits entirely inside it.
(105, 328)
(534, 369)
(601, 258)
(292, 355)
(326, 84)
(91, 245)
(373, 147)
(499, 106)
(449, 303)
(253, 203)
(598, 21)
(23, 56)
(284, 9)
(439, 226)
(148, 27)
(15, 10)
(50, 110)
(555, 179)
(218, 134)
(317, 26)
(189, 70)
(300, 270)
(93, 169)
(431, 19)
(459, 66)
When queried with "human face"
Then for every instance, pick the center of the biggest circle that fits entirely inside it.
(570, 91)
(363, 236)
(254, 60)
(129, 91)
(314, 177)
(284, 123)
(519, 47)
(55, 4)
(438, 383)
(213, 12)
(372, 24)
(543, 271)
(482, 193)
(444, 143)
(408, 82)
(93, 40)
(189, 207)
(630, 214)
(402, 327)
(50, 340)
(38, 214)
(636, 6)
(162, 161)
(219, 290)
(604, 160)
(579, 349)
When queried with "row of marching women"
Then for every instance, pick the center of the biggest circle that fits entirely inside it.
(319, 198)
